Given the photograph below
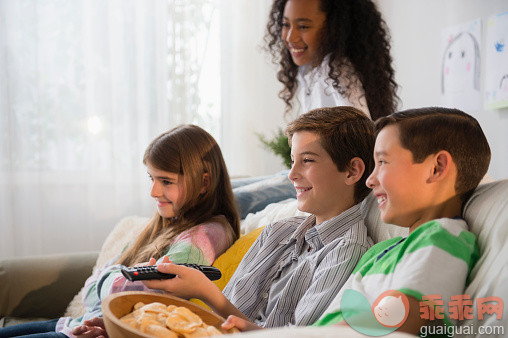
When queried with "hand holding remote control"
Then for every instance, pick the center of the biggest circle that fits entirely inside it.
(151, 272)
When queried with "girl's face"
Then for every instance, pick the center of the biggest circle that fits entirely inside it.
(168, 190)
(302, 27)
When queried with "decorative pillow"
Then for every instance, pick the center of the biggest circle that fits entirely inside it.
(272, 213)
(229, 260)
(256, 196)
(486, 213)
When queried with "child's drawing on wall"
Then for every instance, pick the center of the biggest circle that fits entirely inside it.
(496, 66)
(461, 66)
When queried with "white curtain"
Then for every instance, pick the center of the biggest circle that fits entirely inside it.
(85, 85)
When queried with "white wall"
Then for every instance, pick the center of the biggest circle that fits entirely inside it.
(416, 27)
(250, 89)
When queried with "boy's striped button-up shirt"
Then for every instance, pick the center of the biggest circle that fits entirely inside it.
(295, 268)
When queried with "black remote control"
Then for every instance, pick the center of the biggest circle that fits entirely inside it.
(151, 272)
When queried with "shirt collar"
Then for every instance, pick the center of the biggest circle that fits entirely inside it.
(329, 230)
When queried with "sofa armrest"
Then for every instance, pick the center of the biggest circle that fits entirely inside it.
(42, 286)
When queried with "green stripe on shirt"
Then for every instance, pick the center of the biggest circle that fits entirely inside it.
(428, 234)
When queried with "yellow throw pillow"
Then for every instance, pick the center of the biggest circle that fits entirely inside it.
(229, 260)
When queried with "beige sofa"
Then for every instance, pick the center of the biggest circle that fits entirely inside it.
(44, 286)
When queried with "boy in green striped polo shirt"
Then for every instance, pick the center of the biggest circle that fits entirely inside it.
(428, 163)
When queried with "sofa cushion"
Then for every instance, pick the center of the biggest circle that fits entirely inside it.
(486, 212)
(272, 213)
(258, 192)
(42, 286)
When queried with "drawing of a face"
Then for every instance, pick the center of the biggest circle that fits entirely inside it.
(391, 311)
(461, 65)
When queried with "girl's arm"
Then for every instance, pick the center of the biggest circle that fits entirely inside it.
(191, 283)
(201, 244)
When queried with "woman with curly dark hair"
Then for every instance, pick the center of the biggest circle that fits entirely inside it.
(335, 52)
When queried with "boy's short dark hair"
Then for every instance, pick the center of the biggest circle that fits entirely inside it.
(426, 131)
(345, 133)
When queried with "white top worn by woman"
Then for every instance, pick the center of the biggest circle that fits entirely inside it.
(315, 89)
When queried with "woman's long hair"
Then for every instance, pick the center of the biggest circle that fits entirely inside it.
(354, 34)
(192, 152)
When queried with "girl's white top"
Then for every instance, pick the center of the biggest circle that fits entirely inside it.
(315, 89)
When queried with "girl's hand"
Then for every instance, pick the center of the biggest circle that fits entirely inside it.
(240, 324)
(93, 328)
(188, 283)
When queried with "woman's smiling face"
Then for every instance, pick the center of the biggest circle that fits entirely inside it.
(302, 27)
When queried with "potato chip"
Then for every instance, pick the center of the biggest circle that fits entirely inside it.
(132, 322)
(212, 331)
(142, 316)
(188, 315)
(138, 305)
(162, 317)
(160, 331)
(147, 322)
(179, 324)
(154, 307)
(198, 332)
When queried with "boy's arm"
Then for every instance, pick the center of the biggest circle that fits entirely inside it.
(414, 321)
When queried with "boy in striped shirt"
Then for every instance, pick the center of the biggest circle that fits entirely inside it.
(428, 163)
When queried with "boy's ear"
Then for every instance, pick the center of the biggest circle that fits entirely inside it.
(354, 171)
(441, 164)
(206, 183)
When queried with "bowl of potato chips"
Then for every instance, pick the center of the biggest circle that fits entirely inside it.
(148, 314)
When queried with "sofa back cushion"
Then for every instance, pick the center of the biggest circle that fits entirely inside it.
(376, 228)
(486, 212)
